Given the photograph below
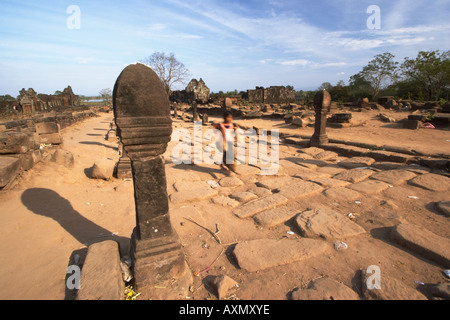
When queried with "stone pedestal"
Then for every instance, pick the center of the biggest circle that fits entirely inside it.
(142, 113)
(322, 103)
(124, 166)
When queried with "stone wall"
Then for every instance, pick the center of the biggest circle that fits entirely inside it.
(273, 94)
(21, 140)
(30, 102)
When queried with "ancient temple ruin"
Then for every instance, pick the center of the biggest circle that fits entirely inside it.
(30, 101)
(273, 94)
(196, 91)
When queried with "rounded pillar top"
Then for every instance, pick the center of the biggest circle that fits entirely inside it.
(142, 112)
(322, 99)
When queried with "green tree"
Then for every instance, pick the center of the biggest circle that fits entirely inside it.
(325, 86)
(428, 73)
(380, 72)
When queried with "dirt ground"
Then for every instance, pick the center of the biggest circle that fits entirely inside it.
(52, 211)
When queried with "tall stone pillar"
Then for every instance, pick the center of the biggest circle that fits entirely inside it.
(322, 103)
(142, 115)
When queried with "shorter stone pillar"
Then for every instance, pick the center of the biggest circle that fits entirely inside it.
(195, 112)
(322, 103)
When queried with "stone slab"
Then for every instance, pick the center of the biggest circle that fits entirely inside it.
(354, 175)
(357, 162)
(230, 182)
(192, 195)
(391, 289)
(9, 167)
(256, 255)
(101, 276)
(394, 177)
(251, 208)
(311, 175)
(431, 182)
(369, 186)
(423, 242)
(225, 201)
(15, 142)
(325, 289)
(191, 185)
(326, 224)
(342, 194)
(298, 188)
(274, 183)
(273, 217)
(243, 196)
(330, 182)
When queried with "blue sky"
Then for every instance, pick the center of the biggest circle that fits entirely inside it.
(230, 44)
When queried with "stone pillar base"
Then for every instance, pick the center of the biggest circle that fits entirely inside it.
(319, 141)
(160, 268)
(124, 168)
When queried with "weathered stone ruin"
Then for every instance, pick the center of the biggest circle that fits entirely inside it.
(195, 91)
(273, 94)
(31, 102)
(200, 90)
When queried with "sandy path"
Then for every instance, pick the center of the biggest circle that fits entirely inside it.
(54, 210)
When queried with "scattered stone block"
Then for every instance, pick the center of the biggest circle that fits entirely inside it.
(101, 276)
(444, 207)
(325, 289)
(354, 175)
(15, 142)
(273, 217)
(51, 138)
(64, 158)
(369, 186)
(222, 285)
(47, 128)
(394, 177)
(412, 124)
(9, 167)
(256, 255)
(251, 208)
(103, 169)
(391, 289)
(423, 242)
(326, 224)
(432, 182)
